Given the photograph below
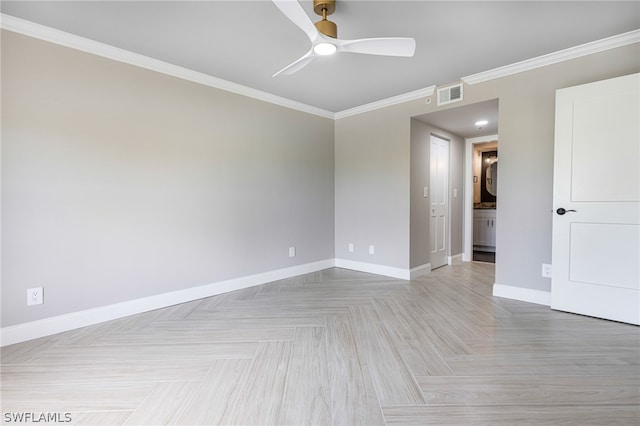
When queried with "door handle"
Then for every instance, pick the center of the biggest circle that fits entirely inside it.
(562, 211)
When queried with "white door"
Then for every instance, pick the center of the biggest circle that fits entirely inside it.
(596, 220)
(439, 189)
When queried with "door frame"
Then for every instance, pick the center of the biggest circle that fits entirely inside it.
(467, 236)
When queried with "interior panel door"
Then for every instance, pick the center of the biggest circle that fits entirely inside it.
(439, 183)
(596, 223)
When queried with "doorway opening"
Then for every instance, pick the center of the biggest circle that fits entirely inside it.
(481, 198)
(458, 125)
(484, 170)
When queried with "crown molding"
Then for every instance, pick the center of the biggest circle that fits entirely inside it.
(28, 28)
(410, 96)
(83, 44)
(553, 58)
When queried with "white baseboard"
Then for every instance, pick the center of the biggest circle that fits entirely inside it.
(61, 323)
(387, 271)
(372, 268)
(58, 324)
(456, 259)
(419, 271)
(523, 294)
(74, 320)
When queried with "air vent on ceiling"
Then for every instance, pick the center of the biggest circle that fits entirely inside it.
(450, 94)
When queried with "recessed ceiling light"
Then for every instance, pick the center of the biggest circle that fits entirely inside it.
(481, 122)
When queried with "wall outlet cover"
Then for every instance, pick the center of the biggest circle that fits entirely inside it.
(546, 270)
(35, 296)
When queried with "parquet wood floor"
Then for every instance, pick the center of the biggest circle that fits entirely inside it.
(336, 347)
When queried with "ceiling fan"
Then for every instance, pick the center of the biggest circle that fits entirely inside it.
(324, 36)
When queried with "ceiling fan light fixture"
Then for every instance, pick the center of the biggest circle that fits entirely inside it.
(324, 36)
(324, 48)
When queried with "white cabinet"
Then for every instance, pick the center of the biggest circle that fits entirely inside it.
(484, 229)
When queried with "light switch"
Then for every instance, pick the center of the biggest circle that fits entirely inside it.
(426, 192)
(455, 192)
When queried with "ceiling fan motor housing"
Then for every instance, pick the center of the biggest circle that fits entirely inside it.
(325, 8)
(327, 28)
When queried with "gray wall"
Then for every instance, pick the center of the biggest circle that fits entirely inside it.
(374, 145)
(420, 177)
(372, 187)
(120, 183)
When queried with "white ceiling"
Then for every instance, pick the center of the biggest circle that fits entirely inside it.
(246, 42)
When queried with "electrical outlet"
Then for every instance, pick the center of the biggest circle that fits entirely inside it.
(372, 249)
(292, 252)
(546, 270)
(350, 247)
(35, 296)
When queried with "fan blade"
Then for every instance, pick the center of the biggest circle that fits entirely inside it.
(297, 15)
(388, 46)
(297, 65)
